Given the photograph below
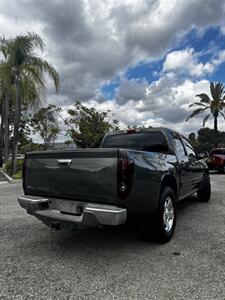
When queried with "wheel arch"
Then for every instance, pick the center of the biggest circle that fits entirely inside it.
(170, 181)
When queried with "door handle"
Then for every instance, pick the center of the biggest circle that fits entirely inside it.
(64, 162)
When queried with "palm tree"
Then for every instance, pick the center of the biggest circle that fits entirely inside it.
(1, 132)
(5, 79)
(28, 71)
(214, 105)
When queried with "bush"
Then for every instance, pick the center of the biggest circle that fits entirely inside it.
(8, 166)
(18, 175)
(31, 147)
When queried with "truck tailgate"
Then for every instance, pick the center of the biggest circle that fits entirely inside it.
(86, 175)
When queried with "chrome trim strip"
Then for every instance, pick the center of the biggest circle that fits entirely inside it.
(33, 199)
(66, 162)
(114, 211)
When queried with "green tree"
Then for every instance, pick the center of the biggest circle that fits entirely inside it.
(28, 71)
(193, 140)
(207, 139)
(45, 122)
(87, 126)
(215, 105)
(1, 135)
(31, 146)
(24, 133)
(5, 93)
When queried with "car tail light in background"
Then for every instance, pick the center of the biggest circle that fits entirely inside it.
(217, 159)
(131, 130)
(125, 177)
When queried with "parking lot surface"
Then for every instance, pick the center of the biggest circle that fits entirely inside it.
(37, 262)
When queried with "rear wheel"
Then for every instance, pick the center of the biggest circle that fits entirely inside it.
(222, 170)
(161, 226)
(204, 193)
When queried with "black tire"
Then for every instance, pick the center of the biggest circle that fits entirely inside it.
(154, 227)
(204, 193)
(222, 170)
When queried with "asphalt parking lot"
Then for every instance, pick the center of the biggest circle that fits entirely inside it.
(37, 262)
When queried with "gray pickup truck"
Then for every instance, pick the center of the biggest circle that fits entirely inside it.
(141, 173)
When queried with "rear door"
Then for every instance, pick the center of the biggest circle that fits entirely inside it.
(195, 166)
(183, 165)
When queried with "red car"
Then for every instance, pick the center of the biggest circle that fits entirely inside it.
(216, 160)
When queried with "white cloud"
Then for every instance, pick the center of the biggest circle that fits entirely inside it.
(91, 41)
(187, 62)
(178, 59)
(164, 103)
(131, 90)
(219, 59)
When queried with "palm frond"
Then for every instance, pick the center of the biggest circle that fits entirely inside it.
(222, 114)
(52, 73)
(217, 90)
(198, 104)
(205, 120)
(44, 66)
(35, 75)
(221, 105)
(4, 47)
(204, 98)
(196, 112)
(36, 40)
(22, 47)
(30, 93)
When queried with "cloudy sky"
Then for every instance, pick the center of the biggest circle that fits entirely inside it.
(143, 60)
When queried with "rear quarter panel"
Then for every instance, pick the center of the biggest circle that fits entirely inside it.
(150, 169)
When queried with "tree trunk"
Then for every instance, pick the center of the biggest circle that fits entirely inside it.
(215, 121)
(2, 132)
(6, 138)
(46, 144)
(17, 120)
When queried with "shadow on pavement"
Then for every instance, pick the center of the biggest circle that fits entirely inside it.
(89, 241)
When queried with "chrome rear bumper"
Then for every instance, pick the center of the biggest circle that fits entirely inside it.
(69, 213)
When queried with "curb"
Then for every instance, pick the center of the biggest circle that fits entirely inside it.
(3, 182)
(7, 177)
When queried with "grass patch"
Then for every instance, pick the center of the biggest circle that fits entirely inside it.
(8, 166)
(18, 175)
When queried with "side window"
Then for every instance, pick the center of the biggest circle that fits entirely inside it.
(190, 151)
(179, 147)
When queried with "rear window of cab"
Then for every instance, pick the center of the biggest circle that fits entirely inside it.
(145, 141)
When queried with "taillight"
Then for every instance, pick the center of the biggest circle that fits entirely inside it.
(217, 159)
(125, 177)
(131, 130)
